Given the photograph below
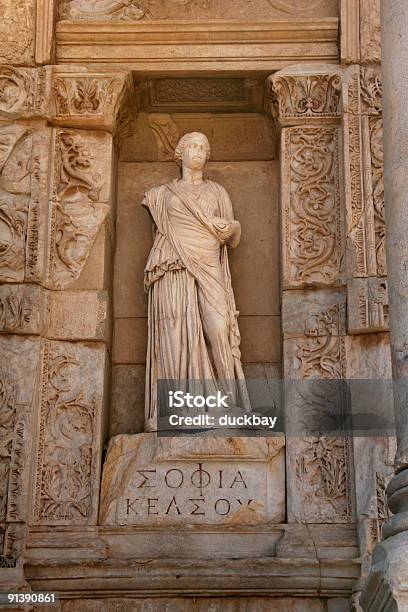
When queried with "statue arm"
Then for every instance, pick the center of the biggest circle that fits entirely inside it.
(228, 228)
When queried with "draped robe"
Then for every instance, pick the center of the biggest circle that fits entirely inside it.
(193, 333)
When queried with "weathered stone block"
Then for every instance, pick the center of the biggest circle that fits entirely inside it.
(367, 305)
(172, 481)
(69, 446)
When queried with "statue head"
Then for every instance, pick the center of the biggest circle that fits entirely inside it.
(193, 151)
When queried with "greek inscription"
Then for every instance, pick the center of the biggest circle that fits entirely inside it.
(238, 480)
(222, 507)
(197, 503)
(145, 478)
(173, 501)
(172, 481)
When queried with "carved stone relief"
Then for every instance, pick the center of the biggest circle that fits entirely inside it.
(17, 31)
(136, 10)
(367, 305)
(319, 454)
(68, 453)
(80, 196)
(88, 99)
(303, 96)
(23, 91)
(365, 187)
(311, 216)
(18, 400)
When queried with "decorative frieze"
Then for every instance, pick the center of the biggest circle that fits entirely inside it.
(312, 246)
(303, 96)
(69, 444)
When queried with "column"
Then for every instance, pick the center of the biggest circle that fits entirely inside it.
(387, 585)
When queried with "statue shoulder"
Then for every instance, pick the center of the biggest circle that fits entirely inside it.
(220, 189)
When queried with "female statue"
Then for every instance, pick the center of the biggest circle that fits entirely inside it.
(193, 330)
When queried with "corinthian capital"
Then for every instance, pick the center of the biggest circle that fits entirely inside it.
(303, 95)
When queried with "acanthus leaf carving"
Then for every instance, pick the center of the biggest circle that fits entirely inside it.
(370, 90)
(313, 238)
(304, 96)
(87, 98)
(167, 134)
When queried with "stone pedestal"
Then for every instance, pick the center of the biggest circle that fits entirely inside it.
(149, 480)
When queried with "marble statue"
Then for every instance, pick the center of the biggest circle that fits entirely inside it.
(193, 331)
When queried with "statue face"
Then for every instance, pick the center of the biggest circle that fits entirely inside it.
(195, 154)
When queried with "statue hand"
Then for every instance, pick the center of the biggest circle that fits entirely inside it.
(229, 232)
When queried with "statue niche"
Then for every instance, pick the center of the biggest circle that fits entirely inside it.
(193, 335)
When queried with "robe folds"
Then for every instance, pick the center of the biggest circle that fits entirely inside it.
(193, 332)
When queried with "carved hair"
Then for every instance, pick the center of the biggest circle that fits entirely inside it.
(185, 141)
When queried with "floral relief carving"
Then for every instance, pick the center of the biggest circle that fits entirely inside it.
(85, 95)
(322, 353)
(312, 223)
(15, 189)
(15, 310)
(370, 90)
(67, 442)
(304, 96)
(167, 134)
(77, 212)
(377, 171)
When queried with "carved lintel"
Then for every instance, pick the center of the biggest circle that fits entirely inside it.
(367, 305)
(312, 246)
(89, 99)
(69, 446)
(24, 92)
(300, 95)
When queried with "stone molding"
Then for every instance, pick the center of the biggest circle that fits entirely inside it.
(226, 46)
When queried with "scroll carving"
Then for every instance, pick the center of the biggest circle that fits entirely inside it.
(313, 242)
(68, 447)
(79, 193)
(304, 96)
